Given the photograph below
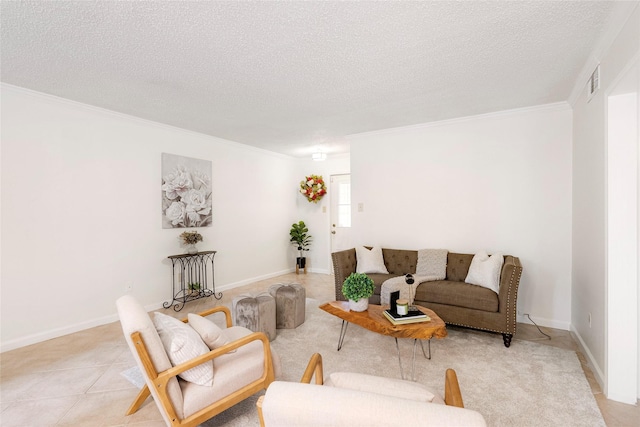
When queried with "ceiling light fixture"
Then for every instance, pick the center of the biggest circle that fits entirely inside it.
(318, 156)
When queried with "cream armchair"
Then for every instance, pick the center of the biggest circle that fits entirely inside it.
(349, 399)
(240, 368)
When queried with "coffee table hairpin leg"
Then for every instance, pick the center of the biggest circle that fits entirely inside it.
(413, 360)
(343, 332)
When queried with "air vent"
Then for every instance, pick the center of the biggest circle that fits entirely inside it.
(594, 83)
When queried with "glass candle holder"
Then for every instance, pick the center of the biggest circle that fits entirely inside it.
(402, 307)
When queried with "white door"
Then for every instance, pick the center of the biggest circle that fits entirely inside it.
(340, 193)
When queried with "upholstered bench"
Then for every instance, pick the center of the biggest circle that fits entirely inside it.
(290, 304)
(257, 314)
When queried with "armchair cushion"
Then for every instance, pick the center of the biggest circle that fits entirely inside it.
(233, 371)
(236, 332)
(212, 335)
(381, 385)
(182, 343)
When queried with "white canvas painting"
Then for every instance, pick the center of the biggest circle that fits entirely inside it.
(186, 192)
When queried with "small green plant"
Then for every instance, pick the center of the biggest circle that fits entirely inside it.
(195, 286)
(357, 286)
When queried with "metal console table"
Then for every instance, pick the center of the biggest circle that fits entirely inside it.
(195, 278)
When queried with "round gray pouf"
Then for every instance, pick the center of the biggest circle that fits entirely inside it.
(258, 314)
(290, 304)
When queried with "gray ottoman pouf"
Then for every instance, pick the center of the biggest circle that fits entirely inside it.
(257, 314)
(290, 305)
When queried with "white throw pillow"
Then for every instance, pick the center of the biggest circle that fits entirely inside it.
(370, 261)
(212, 335)
(182, 343)
(485, 270)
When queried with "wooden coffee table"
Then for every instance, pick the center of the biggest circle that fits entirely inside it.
(374, 320)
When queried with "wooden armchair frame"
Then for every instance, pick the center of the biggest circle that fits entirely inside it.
(161, 379)
(452, 394)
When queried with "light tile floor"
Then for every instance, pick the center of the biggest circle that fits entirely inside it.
(75, 380)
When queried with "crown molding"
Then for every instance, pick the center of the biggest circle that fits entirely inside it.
(106, 112)
(556, 106)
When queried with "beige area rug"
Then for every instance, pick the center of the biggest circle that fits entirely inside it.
(527, 384)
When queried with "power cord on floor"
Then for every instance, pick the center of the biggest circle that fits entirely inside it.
(539, 330)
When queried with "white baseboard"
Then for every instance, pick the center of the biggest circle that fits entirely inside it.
(55, 333)
(541, 321)
(239, 283)
(77, 327)
(319, 270)
(597, 372)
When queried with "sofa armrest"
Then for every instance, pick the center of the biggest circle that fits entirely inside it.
(509, 282)
(344, 263)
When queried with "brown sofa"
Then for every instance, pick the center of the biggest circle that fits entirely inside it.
(456, 302)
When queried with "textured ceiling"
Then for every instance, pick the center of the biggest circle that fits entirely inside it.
(290, 76)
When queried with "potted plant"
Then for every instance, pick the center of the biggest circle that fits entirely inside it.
(302, 240)
(194, 288)
(190, 238)
(357, 288)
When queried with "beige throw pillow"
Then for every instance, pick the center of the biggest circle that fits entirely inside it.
(182, 343)
(485, 270)
(370, 261)
(212, 335)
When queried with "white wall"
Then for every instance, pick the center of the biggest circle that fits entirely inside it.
(589, 263)
(317, 215)
(81, 213)
(499, 182)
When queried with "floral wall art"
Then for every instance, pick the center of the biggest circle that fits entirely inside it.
(186, 192)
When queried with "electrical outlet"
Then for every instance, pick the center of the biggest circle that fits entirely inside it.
(589, 319)
(360, 207)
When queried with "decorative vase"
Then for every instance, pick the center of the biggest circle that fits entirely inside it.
(192, 249)
(361, 305)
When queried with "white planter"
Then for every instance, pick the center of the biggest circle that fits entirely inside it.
(361, 305)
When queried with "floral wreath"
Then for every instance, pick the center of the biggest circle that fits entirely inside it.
(313, 188)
